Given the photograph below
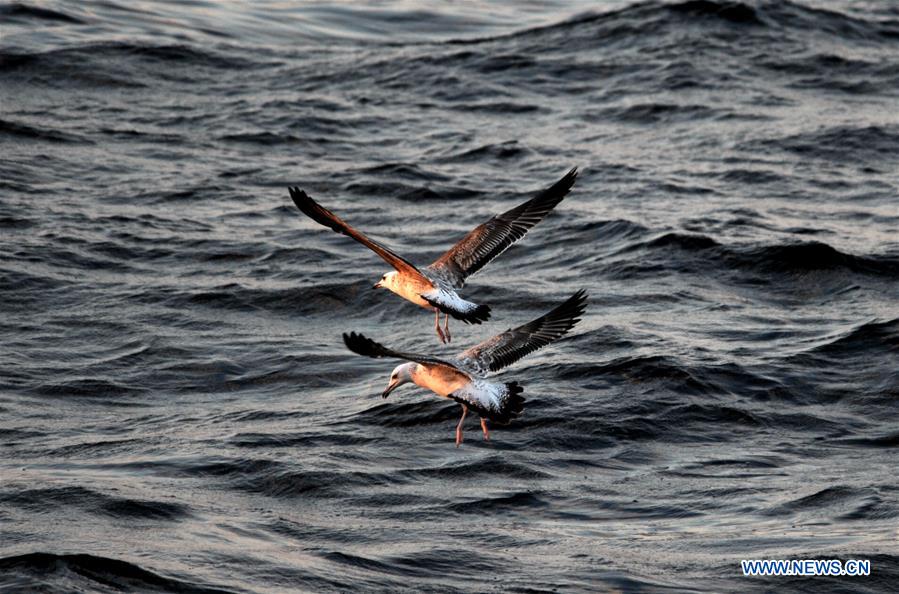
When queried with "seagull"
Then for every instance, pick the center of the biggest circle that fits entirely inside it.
(434, 287)
(461, 378)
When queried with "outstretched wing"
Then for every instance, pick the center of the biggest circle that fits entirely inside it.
(325, 217)
(487, 241)
(504, 349)
(362, 345)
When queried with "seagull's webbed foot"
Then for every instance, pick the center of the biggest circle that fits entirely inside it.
(443, 338)
(484, 429)
(446, 331)
(459, 426)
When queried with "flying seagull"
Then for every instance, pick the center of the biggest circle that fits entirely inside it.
(434, 286)
(460, 378)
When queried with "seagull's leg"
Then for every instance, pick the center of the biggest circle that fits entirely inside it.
(446, 328)
(484, 429)
(437, 325)
(459, 426)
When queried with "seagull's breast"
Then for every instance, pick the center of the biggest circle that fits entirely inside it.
(410, 289)
(440, 380)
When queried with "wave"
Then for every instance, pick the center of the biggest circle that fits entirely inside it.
(733, 12)
(18, 130)
(268, 374)
(889, 440)
(405, 171)
(408, 183)
(172, 54)
(412, 193)
(142, 135)
(865, 358)
(799, 17)
(694, 252)
(80, 571)
(64, 68)
(642, 369)
(840, 501)
(490, 466)
(438, 562)
(111, 392)
(17, 12)
(94, 502)
(642, 18)
(808, 256)
(750, 176)
(833, 72)
(408, 414)
(178, 53)
(94, 449)
(290, 440)
(839, 143)
(117, 64)
(286, 482)
(650, 18)
(871, 337)
(611, 232)
(504, 503)
(268, 138)
(682, 242)
(856, 368)
(25, 284)
(498, 107)
(11, 436)
(654, 113)
(296, 301)
(499, 152)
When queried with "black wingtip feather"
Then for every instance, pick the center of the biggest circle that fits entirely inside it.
(304, 202)
(300, 198)
(574, 306)
(314, 210)
(556, 192)
(362, 345)
(534, 210)
(512, 406)
(569, 311)
(516, 400)
(480, 314)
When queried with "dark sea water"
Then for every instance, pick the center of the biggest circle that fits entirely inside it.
(178, 412)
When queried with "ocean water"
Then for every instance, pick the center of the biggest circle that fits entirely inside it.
(178, 412)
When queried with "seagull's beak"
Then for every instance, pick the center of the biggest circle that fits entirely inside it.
(390, 388)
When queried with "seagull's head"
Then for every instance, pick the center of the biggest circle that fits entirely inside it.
(388, 281)
(402, 374)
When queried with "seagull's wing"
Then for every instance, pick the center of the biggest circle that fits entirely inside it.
(325, 217)
(362, 345)
(488, 240)
(504, 349)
